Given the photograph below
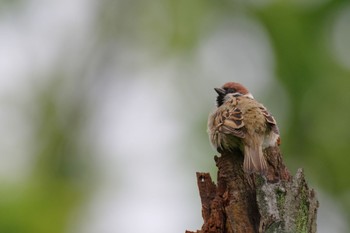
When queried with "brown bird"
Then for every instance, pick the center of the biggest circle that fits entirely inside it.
(241, 122)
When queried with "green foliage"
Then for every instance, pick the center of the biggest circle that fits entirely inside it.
(56, 185)
(317, 87)
(315, 135)
(37, 208)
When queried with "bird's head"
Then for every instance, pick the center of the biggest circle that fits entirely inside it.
(231, 89)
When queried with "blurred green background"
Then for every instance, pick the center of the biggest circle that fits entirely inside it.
(104, 106)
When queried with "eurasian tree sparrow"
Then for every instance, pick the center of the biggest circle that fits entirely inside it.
(240, 122)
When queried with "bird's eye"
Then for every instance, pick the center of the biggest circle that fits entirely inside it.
(230, 90)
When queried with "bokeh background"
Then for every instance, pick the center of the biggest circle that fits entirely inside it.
(104, 106)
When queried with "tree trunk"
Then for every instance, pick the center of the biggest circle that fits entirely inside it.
(243, 203)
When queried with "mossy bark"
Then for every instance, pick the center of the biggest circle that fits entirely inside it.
(243, 203)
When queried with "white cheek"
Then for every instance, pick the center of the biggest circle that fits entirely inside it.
(270, 140)
(249, 95)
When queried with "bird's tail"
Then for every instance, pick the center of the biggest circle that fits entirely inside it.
(254, 160)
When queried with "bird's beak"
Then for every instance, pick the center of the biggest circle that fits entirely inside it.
(220, 91)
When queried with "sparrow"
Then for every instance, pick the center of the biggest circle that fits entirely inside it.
(241, 122)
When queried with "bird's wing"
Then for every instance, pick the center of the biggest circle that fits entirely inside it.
(270, 120)
(232, 123)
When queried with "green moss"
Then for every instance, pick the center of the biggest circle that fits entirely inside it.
(280, 198)
(274, 227)
(259, 181)
(302, 218)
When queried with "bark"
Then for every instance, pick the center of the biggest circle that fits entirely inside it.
(243, 203)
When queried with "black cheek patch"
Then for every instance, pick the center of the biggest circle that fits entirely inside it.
(219, 100)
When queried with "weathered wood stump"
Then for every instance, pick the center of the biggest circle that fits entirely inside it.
(243, 203)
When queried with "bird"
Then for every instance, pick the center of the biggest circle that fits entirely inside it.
(241, 122)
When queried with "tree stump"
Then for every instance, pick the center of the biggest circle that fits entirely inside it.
(250, 203)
